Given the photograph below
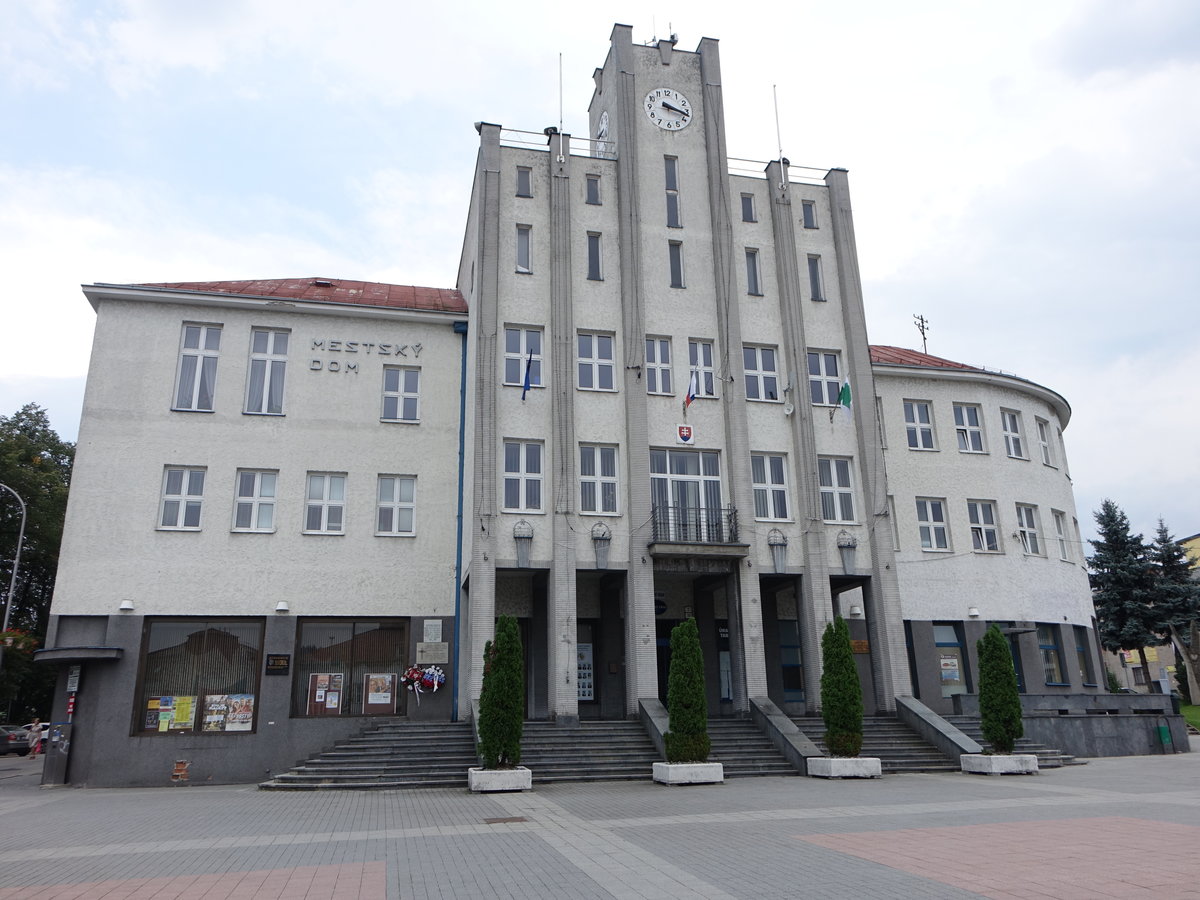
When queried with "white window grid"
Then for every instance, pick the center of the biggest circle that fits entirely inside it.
(918, 423)
(1014, 444)
(523, 476)
(598, 479)
(700, 361)
(808, 210)
(675, 260)
(395, 506)
(658, 366)
(595, 272)
(931, 519)
(268, 368)
(401, 394)
(524, 251)
(671, 175)
(196, 380)
(824, 381)
(1027, 529)
(748, 213)
(968, 428)
(522, 346)
(325, 503)
(753, 285)
(1044, 445)
(1060, 532)
(837, 489)
(595, 362)
(985, 536)
(816, 284)
(762, 382)
(182, 499)
(254, 501)
(769, 478)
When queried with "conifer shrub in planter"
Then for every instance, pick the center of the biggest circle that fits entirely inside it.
(842, 710)
(687, 742)
(999, 711)
(502, 713)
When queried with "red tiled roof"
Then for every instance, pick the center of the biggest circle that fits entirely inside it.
(319, 289)
(899, 356)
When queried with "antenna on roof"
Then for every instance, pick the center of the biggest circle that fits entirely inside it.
(922, 326)
(560, 100)
(779, 141)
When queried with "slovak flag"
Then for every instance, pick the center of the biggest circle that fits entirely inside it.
(691, 392)
(526, 383)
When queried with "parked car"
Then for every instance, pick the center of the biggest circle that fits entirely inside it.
(14, 739)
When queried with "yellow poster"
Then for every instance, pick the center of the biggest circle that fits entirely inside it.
(185, 712)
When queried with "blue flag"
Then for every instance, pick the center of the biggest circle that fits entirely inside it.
(528, 368)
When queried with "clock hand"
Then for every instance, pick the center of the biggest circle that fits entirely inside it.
(676, 109)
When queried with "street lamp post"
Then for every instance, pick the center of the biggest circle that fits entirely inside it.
(12, 582)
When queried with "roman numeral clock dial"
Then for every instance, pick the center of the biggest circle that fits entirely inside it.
(668, 109)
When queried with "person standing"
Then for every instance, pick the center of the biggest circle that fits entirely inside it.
(35, 738)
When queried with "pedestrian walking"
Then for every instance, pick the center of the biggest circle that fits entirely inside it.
(35, 738)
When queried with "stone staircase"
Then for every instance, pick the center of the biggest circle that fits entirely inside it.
(743, 750)
(388, 754)
(1048, 758)
(595, 751)
(899, 748)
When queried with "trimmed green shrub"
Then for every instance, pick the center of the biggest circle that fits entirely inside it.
(841, 693)
(687, 740)
(999, 699)
(1114, 686)
(502, 699)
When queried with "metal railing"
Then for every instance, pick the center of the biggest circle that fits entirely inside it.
(694, 525)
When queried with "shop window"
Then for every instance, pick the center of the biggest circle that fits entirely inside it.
(952, 664)
(348, 667)
(199, 675)
(1087, 672)
(1052, 659)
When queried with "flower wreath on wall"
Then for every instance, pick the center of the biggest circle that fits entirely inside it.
(421, 681)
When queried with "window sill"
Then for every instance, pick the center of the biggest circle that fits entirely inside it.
(400, 421)
(1022, 458)
(252, 530)
(755, 294)
(925, 449)
(187, 409)
(524, 271)
(661, 394)
(594, 512)
(974, 452)
(325, 533)
(394, 534)
(780, 521)
(1058, 684)
(819, 300)
(278, 415)
(597, 390)
(168, 528)
(989, 552)
(532, 387)
(938, 550)
(762, 400)
(523, 512)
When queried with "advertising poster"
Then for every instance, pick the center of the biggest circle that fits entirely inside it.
(215, 711)
(379, 693)
(584, 673)
(949, 667)
(324, 693)
(241, 712)
(185, 713)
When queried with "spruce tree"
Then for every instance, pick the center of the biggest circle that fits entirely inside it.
(841, 693)
(687, 740)
(502, 698)
(1123, 585)
(1177, 604)
(999, 698)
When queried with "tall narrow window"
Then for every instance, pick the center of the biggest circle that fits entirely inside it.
(523, 350)
(593, 257)
(968, 429)
(1060, 532)
(768, 474)
(1027, 528)
(752, 286)
(815, 283)
(984, 536)
(700, 361)
(268, 366)
(596, 362)
(761, 380)
(931, 523)
(658, 366)
(671, 166)
(523, 259)
(395, 505)
(593, 190)
(837, 493)
(1051, 648)
(685, 496)
(254, 506)
(325, 504)
(196, 382)
(182, 499)
(809, 211)
(524, 181)
(1043, 434)
(951, 659)
(597, 478)
(401, 392)
(1083, 656)
(522, 476)
(1011, 423)
(824, 385)
(748, 208)
(918, 423)
(675, 258)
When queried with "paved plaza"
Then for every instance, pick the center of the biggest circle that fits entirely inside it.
(1126, 828)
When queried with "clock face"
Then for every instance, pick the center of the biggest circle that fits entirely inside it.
(668, 109)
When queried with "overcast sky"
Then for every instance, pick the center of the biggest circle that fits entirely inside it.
(1026, 175)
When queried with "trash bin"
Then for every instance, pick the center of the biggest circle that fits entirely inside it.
(1164, 736)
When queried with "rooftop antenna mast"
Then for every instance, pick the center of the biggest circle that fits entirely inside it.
(560, 95)
(779, 140)
(923, 327)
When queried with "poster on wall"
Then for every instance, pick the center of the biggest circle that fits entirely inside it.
(950, 670)
(584, 673)
(228, 712)
(215, 711)
(324, 693)
(170, 713)
(379, 693)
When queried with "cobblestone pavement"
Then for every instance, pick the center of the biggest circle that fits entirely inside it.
(1126, 828)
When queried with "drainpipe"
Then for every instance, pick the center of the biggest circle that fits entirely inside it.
(461, 329)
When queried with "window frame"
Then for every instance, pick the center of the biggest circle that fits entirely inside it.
(524, 355)
(835, 492)
(524, 248)
(595, 256)
(524, 181)
(1014, 440)
(701, 354)
(202, 372)
(1049, 640)
(184, 498)
(828, 385)
(930, 527)
(1083, 657)
(274, 369)
(671, 183)
(595, 364)
(1060, 533)
(659, 380)
(326, 503)
(1042, 427)
(816, 278)
(396, 505)
(770, 492)
(749, 213)
(604, 486)
(403, 395)
(759, 375)
(964, 429)
(592, 190)
(255, 501)
(981, 528)
(808, 213)
(675, 264)
(523, 477)
(753, 276)
(1028, 530)
(916, 431)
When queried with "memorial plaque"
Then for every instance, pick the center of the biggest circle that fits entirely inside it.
(432, 652)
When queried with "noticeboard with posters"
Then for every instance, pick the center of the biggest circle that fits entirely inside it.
(325, 693)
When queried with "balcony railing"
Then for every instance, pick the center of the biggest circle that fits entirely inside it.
(693, 525)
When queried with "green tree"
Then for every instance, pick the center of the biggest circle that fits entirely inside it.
(999, 699)
(1123, 585)
(687, 740)
(502, 697)
(1177, 604)
(841, 692)
(36, 463)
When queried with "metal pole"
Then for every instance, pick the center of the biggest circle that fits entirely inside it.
(12, 582)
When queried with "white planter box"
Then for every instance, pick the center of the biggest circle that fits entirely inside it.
(689, 773)
(844, 767)
(999, 764)
(490, 780)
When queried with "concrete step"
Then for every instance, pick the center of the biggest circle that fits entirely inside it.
(897, 746)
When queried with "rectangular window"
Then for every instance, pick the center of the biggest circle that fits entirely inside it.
(947, 639)
(347, 667)
(675, 257)
(524, 266)
(824, 383)
(984, 536)
(752, 286)
(791, 660)
(524, 181)
(685, 496)
(1027, 529)
(837, 494)
(809, 210)
(196, 381)
(748, 208)
(931, 523)
(1043, 433)
(199, 675)
(816, 284)
(268, 366)
(1052, 660)
(593, 257)
(522, 476)
(254, 505)
(918, 422)
(401, 392)
(523, 350)
(596, 362)
(761, 380)
(1083, 657)
(1011, 423)
(671, 166)
(768, 473)
(182, 498)
(1060, 532)
(597, 478)
(968, 429)
(658, 366)
(700, 361)
(324, 504)
(593, 190)
(395, 505)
